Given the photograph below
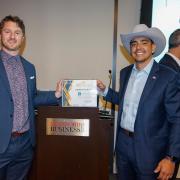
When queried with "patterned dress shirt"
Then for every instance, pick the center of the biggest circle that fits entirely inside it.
(18, 85)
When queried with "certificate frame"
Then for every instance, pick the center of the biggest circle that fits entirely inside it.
(79, 93)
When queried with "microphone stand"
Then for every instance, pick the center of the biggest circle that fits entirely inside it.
(110, 79)
(104, 113)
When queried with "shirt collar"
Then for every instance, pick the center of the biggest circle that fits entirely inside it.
(147, 68)
(174, 57)
(7, 57)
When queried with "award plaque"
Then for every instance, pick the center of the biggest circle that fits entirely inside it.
(79, 93)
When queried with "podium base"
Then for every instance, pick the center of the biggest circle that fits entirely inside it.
(105, 115)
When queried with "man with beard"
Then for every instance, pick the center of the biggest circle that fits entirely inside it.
(19, 97)
(148, 136)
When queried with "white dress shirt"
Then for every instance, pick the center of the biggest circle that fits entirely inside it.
(133, 94)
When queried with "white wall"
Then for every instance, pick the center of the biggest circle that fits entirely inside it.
(71, 38)
(129, 16)
(66, 38)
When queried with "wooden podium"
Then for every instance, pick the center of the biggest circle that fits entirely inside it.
(61, 157)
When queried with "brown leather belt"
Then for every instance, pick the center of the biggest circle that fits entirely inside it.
(128, 133)
(17, 134)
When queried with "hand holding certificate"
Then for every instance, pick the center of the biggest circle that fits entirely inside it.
(79, 93)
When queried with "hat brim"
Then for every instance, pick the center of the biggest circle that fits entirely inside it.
(153, 33)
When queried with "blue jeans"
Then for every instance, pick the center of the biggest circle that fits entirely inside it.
(16, 160)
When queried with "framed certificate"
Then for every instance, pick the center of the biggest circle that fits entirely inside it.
(79, 93)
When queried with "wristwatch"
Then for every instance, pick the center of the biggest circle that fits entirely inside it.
(172, 158)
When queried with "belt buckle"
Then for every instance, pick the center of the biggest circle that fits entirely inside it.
(130, 134)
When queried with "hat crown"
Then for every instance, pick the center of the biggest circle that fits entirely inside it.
(140, 28)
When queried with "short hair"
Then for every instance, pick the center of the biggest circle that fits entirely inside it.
(174, 39)
(14, 19)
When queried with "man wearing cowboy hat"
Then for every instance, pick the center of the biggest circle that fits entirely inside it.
(148, 125)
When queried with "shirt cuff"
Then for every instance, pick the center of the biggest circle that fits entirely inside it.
(103, 93)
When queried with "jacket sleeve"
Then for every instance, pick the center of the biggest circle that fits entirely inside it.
(45, 98)
(112, 95)
(172, 105)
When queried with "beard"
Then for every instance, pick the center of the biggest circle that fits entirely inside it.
(8, 46)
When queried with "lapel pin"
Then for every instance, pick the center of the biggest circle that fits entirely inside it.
(154, 77)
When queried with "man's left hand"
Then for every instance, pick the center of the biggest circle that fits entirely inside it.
(165, 169)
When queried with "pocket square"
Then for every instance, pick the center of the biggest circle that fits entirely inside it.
(32, 77)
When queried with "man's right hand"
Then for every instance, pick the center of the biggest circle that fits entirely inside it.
(100, 85)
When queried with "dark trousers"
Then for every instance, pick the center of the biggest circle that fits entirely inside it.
(126, 160)
(16, 160)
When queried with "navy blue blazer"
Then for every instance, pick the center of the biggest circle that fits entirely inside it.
(35, 98)
(157, 124)
(169, 61)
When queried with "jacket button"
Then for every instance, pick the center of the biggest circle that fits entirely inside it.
(11, 115)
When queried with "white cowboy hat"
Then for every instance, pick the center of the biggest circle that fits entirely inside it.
(141, 30)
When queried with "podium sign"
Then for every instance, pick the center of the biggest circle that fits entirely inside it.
(67, 127)
(79, 93)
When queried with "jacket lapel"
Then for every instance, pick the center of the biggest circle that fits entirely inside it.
(152, 78)
(3, 76)
(124, 82)
(27, 75)
(123, 86)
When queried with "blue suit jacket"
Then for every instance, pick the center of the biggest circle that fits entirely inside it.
(35, 98)
(157, 124)
(170, 62)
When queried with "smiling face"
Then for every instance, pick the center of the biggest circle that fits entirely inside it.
(11, 37)
(142, 49)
